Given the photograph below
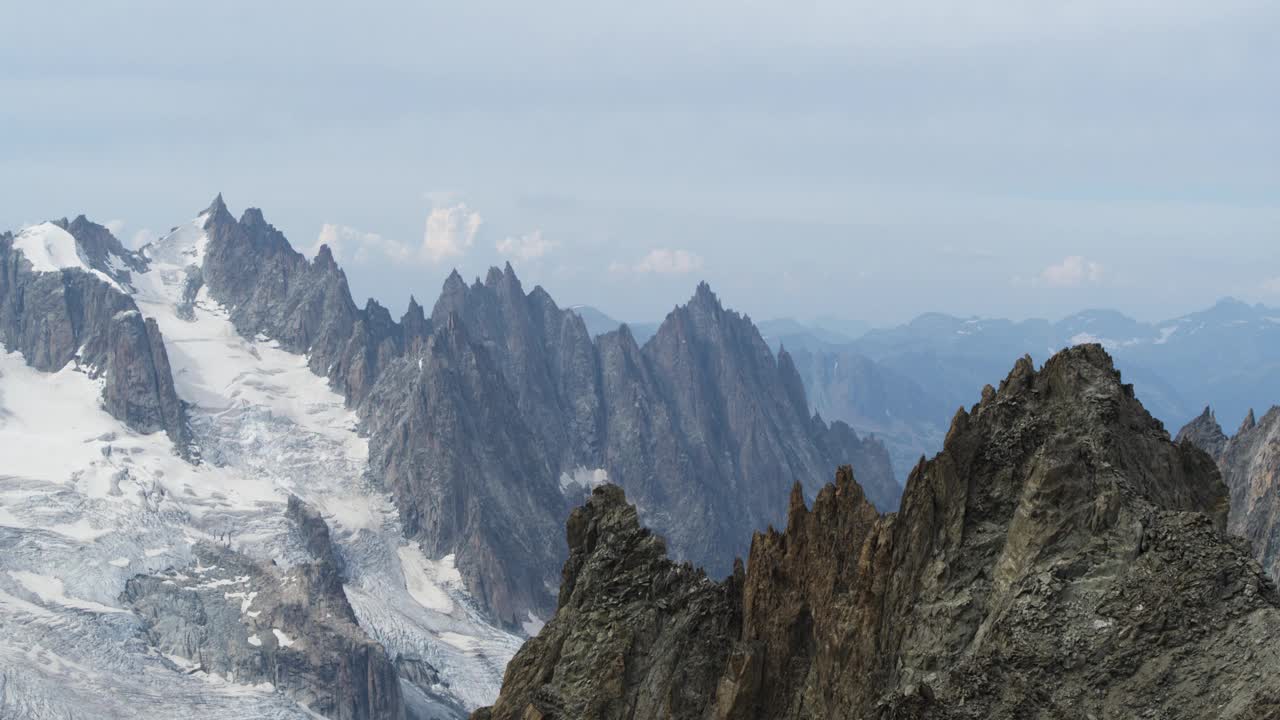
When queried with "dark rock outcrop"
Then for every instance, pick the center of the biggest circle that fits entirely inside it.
(661, 629)
(255, 623)
(1250, 464)
(314, 533)
(1061, 557)
(74, 317)
(104, 252)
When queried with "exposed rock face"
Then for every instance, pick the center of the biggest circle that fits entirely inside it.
(254, 623)
(102, 251)
(1205, 433)
(468, 477)
(660, 630)
(72, 316)
(490, 418)
(1059, 558)
(1250, 464)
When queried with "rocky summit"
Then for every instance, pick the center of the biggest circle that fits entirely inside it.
(1060, 557)
(1250, 464)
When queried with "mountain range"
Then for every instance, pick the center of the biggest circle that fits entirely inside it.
(1060, 557)
(902, 383)
(235, 488)
(231, 490)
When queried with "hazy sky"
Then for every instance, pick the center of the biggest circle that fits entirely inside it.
(871, 160)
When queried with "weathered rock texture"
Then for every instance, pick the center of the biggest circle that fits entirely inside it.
(254, 623)
(489, 419)
(73, 317)
(642, 611)
(1250, 464)
(1061, 557)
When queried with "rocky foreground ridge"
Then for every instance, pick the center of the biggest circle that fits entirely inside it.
(1250, 464)
(1060, 557)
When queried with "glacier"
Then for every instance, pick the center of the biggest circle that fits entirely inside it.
(86, 503)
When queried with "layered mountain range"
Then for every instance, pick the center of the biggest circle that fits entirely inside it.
(903, 382)
(1060, 557)
(441, 454)
(1250, 464)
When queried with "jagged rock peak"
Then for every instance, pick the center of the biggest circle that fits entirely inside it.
(1079, 397)
(1250, 422)
(217, 211)
(374, 310)
(704, 296)
(252, 217)
(454, 283)
(218, 205)
(324, 257)
(413, 315)
(1204, 432)
(1058, 509)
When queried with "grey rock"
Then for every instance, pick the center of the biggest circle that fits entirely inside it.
(1250, 464)
(255, 623)
(1205, 433)
(479, 414)
(73, 317)
(1060, 557)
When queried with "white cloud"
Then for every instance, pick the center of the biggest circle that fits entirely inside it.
(1271, 286)
(669, 262)
(357, 246)
(450, 231)
(115, 226)
(529, 246)
(142, 237)
(1073, 271)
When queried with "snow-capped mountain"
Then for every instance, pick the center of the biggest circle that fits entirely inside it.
(89, 503)
(231, 490)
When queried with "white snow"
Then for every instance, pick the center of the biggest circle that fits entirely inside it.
(1166, 333)
(533, 625)
(50, 590)
(426, 580)
(465, 643)
(254, 640)
(49, 248)
(582, 478)
(284, 640)
(87, 496)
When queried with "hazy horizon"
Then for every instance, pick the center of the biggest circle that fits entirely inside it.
(839, 159)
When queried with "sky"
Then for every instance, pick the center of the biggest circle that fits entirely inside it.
(868, 161)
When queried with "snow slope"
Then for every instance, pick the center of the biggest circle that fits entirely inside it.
(49, 248)
(85, 503)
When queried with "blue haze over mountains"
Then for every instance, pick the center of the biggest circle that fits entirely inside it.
(903, 383)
